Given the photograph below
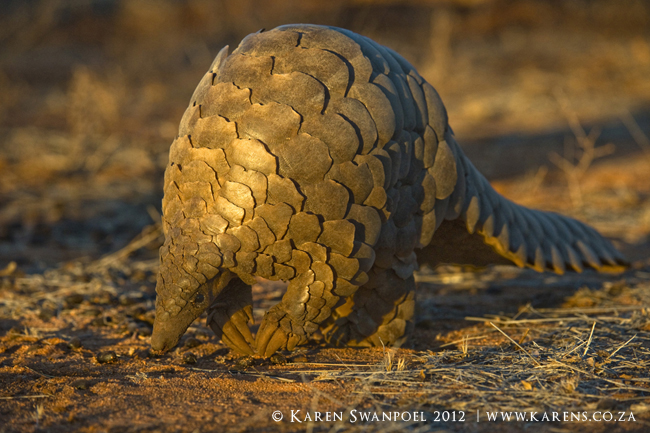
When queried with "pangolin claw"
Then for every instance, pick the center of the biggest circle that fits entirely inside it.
(277, 341)
(238, 337)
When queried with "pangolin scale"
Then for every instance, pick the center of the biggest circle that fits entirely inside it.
(316, 156)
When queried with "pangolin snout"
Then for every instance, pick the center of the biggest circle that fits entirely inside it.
(163, 340)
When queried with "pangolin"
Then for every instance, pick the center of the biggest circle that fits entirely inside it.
(317, 156)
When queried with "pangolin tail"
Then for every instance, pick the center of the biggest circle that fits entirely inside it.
(488, 228)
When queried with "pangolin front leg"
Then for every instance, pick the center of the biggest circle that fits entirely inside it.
(307, 303)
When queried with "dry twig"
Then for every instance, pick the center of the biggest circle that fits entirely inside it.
(575, 168)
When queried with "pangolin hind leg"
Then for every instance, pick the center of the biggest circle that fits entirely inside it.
(229, 314)
(379, 313)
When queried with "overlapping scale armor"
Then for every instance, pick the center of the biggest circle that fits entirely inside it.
(316, 156)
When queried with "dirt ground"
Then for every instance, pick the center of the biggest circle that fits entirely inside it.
(551, 101)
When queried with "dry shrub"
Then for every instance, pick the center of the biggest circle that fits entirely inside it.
(94, 104)
(577, 160)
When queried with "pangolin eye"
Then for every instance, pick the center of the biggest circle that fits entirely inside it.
(198, 299)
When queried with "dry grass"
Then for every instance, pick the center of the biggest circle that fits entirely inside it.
(592, 354)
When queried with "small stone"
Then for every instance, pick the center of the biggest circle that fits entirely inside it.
(243, 363)
(80, 384)
(138, 275)
(102, 298)
(98, 321)
(46, 314)
(33, 348)
(607, 403)
(189, 358)
(200, 333)
(108, 357)
(72, 301)
(152, 354)
(591, 362)
(74, 343)
(136, 311)
(300, 359)
(192, 342)
(140, 354)
(128, 299)
(92, 312)
(278, 359)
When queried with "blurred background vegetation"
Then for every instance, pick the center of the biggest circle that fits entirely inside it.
(91, 93)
